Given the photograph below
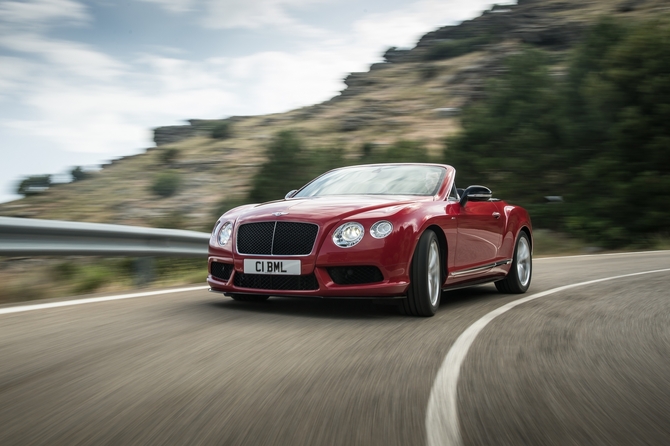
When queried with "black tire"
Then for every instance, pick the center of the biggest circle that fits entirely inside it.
(516, 282)
(249, 297)
(418, 301)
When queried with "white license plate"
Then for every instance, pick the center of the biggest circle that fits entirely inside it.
(278, 267)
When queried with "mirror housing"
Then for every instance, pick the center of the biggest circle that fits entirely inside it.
(290, 194)
(476, 193)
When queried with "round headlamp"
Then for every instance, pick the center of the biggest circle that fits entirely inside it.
(225, 232)
(348, 235)
(381, 229)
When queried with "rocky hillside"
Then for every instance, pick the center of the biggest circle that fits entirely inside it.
(415, 94)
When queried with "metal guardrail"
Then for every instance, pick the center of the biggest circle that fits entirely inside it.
(32, 237)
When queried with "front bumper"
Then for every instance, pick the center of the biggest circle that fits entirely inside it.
(317, 278)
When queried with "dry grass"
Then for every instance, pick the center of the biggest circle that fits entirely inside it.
(32, 279)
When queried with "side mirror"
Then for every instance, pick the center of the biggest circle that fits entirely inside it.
(290, 194)
(476, 193)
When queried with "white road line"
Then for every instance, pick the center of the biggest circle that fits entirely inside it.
(442, 427)
(535, 259)
(68, 303)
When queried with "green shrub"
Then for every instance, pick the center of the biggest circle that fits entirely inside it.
(166, 183)
(167, 268)
(367, 151)
(34, 185)
(290, 166)
(168, 155)
(64, 271)
(406, 152)
(222, 131)
(428, 71)
(402, 151)
(78, 174)
(455, 48)
(287, 168)
(91, 278)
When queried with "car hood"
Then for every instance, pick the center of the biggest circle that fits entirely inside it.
(324, 208)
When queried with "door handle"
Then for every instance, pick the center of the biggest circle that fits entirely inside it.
(496, 215)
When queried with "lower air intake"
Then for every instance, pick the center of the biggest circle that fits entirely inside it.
(355, 275)
(221, 271)
(279, 283)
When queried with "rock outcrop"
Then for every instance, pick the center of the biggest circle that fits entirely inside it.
(548, 24)
(196, 127)
(173, 133)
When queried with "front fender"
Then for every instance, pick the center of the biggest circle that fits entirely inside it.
(394, 253)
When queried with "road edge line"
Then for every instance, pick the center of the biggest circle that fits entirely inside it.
(658, 251)
(91, 300)
(442, 422)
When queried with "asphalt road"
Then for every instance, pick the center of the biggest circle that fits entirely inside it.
(590, 365)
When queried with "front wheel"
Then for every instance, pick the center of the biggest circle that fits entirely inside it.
(518, 278)
(425, 288)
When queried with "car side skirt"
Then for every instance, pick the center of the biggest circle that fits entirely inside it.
(480, 269)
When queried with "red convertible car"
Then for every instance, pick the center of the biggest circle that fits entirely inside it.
(401, 231)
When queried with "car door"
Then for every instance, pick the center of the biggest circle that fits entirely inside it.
(480, 226)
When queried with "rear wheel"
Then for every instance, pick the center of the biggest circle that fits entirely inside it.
(249, 297)
(425, 289)
(518, 278)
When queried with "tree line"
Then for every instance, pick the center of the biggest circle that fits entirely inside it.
(598, 135)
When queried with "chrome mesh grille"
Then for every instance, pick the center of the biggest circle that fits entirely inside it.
(255, 238)
(279, 238)
(271, 282)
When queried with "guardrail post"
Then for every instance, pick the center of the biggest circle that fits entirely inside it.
(145, 270)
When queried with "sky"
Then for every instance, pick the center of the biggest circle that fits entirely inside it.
(84, 82)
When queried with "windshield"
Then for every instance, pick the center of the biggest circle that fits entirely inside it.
(377, 180)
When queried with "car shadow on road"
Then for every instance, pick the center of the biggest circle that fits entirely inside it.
(468, 296)
(312, 308)
(348, 308)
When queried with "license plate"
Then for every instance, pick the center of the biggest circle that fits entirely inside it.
(277, 267)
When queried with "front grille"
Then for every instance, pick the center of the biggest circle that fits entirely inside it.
(278, 238)
(355, 275)
(255, 238)
(271, 282)
(221, 271)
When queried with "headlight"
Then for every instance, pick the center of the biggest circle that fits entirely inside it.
(225, 232)
(348, 235)
(381, 229)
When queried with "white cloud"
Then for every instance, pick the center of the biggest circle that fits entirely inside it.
(84, 100)
(13, 72)
(37, 13)
(278, 81)
(403, 27)
(76, 58)
(106, 116)
(251, 14)
(112, 104)
(174, 6)
(244, 14)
